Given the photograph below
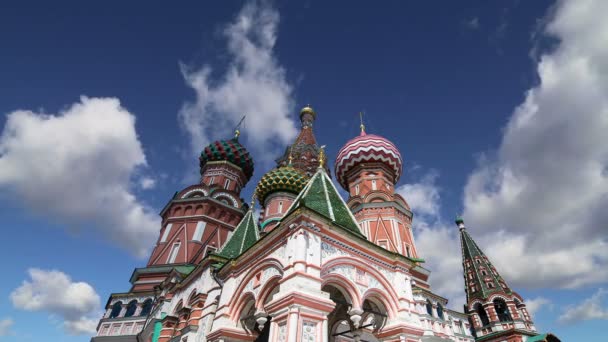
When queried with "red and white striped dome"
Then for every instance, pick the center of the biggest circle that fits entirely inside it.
(367, 148)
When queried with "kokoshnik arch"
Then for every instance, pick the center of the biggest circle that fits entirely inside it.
(313, 268)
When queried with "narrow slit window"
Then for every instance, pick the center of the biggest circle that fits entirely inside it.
(226, 183)
(166, 232)
(280, 207)
(198, 233)
(173, 254)
(374, 184)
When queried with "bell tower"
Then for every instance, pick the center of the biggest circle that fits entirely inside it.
(493, 307)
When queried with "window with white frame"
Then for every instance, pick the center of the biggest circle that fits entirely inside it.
(357, 190)
(173, 253)
(166, 232)
(211, 180)
(374, 187)
(226, 183)
(280, 207)
(198, 232)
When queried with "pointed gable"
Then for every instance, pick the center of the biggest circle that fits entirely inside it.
(244, 236)
(321, 196)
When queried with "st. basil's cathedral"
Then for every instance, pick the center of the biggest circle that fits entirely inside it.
(313, 267)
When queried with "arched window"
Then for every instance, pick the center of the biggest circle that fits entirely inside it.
(116, 308)
(131, 308)
(440, 311)
(429, 307)
(481, 312)
(146, 308)
(502, 310)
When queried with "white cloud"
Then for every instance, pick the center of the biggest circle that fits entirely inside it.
(147, 183)
(55, 292)
(541, 202)
(423, 196)
(436, 241)
(5, 326)
(591, 308)
(76, 167)
(534, 304)
(254, 84)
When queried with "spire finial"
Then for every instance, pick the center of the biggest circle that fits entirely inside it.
(362, 126)
(459, 221)
(237, 131)
(322, 156)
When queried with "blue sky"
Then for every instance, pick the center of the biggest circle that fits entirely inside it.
(499, 110)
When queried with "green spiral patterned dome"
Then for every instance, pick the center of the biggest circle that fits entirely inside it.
(284, 178)
(230, 150)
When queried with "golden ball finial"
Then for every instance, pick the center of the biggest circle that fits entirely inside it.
(308, 110)
(237, 133)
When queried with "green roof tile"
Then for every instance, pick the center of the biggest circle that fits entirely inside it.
(243, 237)
(321, 196)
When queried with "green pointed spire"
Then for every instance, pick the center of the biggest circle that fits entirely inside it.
(478, 269)
(321, 196)
(243, 237)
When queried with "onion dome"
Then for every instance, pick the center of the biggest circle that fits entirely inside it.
(308, 110)
(228, 150)
(367, 148)
(285, 178)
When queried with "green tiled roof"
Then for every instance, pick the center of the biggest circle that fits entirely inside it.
(471, 252)
(321, 196)
(243, 237)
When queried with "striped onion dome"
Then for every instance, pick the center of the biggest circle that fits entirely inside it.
(285, 178)
(367, 148)
(228, 150)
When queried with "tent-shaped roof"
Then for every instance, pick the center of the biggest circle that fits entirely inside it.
(321, 196)
(243, 237)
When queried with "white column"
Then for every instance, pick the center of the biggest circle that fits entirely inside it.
(292, 334)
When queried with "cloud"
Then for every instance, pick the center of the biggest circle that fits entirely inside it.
(590, 308)
(5, 326)
(76, 167)
(436, 241)
(254, 84)
(54, 292)
(147, 183)
(473, 23)
(540, 203)
(423, 196)
(533, 305)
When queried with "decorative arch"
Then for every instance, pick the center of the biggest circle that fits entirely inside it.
(481, 312)
(497, 295)
(116, 309)
(146, 307)
(376, 195)
(196, 192)
(348, 260)
(220, 195)
(192, 297)
(240, 290)
(131, 307)
(344, 285)
(381, 297)
(266, 290)
(179, 306)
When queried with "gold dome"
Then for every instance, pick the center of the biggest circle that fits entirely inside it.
(308, 110)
